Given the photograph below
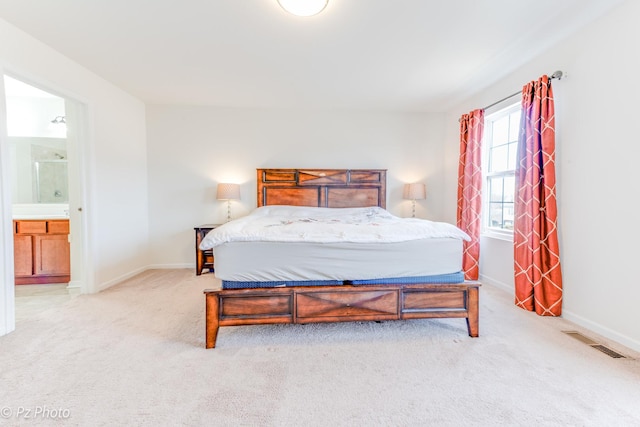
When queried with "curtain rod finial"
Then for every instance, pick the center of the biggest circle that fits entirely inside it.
(558, 75)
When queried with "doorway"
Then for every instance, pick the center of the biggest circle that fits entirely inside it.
(45, 134)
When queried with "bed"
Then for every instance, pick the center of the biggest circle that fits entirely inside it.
(310, 276)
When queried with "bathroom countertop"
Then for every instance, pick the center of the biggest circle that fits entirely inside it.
(27, 217)
(40, 211)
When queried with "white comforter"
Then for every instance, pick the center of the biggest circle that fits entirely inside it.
(327, 225)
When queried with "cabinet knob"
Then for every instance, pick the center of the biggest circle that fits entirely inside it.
(79, 209)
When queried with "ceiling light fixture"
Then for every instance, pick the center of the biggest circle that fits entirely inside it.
(303, 7)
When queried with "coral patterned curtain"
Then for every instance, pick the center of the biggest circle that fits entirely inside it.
(470, 189)
(538, 278)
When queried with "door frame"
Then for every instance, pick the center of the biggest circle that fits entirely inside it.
(79, 182)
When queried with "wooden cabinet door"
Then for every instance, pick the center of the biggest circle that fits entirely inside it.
(22, 255)
(52, 256)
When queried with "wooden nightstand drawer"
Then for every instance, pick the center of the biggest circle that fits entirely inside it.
(204, 259)
(208, 257)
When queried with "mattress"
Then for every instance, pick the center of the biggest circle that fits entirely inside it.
(298, 224)
(338, 261)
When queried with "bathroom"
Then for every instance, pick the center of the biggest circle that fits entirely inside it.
(37, 137)
(37, 143)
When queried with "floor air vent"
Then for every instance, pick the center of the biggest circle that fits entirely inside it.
(592, 343)
(608, 351)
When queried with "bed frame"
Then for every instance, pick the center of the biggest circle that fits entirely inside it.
(336, 188)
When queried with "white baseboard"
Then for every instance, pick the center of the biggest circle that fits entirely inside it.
(496, 283)
(74, 284)
(137, 271)
(574, 318)
(169, 266)
(602, 330)
(122, 278)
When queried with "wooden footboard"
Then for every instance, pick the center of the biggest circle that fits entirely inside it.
(346, 303)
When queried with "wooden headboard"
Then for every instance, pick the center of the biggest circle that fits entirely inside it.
(329, 188)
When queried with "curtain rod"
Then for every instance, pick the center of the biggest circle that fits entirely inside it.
(556, 75)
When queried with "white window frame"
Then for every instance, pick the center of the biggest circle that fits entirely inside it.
(490, 119)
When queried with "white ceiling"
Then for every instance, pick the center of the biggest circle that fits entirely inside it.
(402, 55)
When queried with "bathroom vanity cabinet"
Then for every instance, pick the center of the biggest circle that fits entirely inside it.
(41, 251)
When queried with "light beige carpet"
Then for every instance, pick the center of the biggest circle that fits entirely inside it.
(134, 355)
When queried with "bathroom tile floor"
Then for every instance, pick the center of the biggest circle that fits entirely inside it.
(33, 299)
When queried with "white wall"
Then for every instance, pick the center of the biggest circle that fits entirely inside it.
(31, 117)
(193, 148)
(114, 153)
(597, 153)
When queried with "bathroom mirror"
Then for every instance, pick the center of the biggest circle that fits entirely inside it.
(39, 170)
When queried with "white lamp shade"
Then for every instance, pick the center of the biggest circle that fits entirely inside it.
(228, 191)
(303, 7)
(415, 191)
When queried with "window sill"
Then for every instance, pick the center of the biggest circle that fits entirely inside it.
(507, 237)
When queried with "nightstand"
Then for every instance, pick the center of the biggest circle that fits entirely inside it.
(204, 259)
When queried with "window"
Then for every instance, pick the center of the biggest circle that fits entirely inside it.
(500, 154)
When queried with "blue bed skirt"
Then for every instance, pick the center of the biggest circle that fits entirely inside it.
(439, 278)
